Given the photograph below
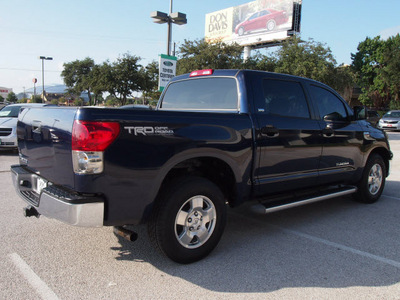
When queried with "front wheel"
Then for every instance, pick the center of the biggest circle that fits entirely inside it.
(188, 220)
(373, 180)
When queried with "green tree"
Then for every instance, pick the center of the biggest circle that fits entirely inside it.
(36, 99)
(198, 54)
(99, 81)
(123, 77)
(111, 101)
(377, 65)
(306, 59)
(390, 70)
(78, 102)
(150, 83)
(1, 98)
(11, 97)
(79, 77)
(22, 100)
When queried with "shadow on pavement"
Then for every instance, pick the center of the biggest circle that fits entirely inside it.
(259, 253)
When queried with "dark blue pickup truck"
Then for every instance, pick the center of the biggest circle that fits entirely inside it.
(217, 138)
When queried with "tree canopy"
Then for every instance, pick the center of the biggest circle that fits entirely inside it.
(78, 76)
(296, 57)
(377, 65)
(375, 68)
(11, 97)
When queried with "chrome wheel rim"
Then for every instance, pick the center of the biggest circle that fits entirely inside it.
(195, 222)
(375, 179)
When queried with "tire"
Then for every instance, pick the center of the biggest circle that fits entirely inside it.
(373, 180)
(241, 31)
(188, 219)
(271, 24)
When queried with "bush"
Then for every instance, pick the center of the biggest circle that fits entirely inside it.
(394, 105)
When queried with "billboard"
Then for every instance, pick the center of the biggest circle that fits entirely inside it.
(254, 23)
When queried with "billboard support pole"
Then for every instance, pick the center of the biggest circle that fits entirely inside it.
(246, 53)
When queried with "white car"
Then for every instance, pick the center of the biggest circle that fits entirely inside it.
(390, 121)
(8, 123)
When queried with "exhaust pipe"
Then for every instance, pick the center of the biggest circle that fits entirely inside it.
(125, 233)
(30, 211)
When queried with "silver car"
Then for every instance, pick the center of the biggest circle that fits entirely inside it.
(8, 123)
(390, 121)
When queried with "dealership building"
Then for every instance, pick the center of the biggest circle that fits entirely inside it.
(5, 91)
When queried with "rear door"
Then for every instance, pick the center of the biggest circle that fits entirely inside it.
(288, 136)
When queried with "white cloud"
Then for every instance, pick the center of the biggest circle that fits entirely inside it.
(388, 32)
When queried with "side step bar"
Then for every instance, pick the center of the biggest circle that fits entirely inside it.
(295, 201)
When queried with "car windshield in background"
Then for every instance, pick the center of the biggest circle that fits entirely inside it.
(10, 112)
(392, 114)
(205, 94)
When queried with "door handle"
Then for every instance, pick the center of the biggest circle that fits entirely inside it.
(270, 131)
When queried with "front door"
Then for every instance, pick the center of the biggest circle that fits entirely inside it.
(342, 137)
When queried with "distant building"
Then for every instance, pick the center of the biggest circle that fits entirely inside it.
(5, 91)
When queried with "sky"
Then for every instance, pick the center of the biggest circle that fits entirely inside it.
(106, 29)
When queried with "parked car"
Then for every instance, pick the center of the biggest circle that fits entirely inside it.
(264, 19)
(390, 121)
(8, 123)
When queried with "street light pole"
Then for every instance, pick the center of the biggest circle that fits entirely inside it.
(169, 36)
(43, 58)
(176, 18)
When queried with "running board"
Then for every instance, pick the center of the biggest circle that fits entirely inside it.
(294, 201)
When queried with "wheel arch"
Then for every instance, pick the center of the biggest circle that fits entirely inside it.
(220, 169)
(385, 154)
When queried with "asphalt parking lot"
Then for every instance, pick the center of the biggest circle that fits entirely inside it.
(336, 249)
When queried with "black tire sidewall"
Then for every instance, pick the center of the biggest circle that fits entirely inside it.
(179, 192)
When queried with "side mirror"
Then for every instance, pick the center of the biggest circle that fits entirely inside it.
(360, 112)
(332, 117)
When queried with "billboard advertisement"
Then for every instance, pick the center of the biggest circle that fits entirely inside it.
(254, 23)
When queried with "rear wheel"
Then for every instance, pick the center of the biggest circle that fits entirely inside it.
(188, 220)
(371, 185)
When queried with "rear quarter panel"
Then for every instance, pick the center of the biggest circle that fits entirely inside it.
(151, 143)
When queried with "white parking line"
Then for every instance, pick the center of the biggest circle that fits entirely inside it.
(341, 247)
(34, 280)
(391, 197)
(381, 259)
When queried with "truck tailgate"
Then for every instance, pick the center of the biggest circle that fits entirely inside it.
(44, 142)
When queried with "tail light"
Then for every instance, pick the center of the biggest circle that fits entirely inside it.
(89, 140)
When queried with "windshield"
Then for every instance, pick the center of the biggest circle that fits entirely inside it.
(392, 114)
(10, 111)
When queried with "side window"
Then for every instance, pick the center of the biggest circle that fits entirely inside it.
(328, 104)
(284, 98)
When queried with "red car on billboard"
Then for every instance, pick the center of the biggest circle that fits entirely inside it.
(265, 19)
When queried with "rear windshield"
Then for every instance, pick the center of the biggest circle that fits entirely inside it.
(214, 93)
